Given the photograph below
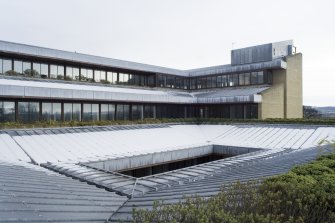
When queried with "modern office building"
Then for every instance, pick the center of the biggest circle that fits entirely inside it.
(38, 83)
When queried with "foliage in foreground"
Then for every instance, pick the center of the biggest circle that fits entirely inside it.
(48, 124)
(305, 194)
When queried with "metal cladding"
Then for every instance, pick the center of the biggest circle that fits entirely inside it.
(54, 90)
(261, 56)
(74, 183)
(261, 53)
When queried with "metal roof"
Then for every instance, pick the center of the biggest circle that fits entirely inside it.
(28, 50)
(29, 193)
(50, 90)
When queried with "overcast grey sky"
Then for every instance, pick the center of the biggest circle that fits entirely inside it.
(181, 34)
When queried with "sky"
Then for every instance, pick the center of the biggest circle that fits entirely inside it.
(181, 34)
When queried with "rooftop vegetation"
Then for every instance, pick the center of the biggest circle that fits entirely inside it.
(50, 124)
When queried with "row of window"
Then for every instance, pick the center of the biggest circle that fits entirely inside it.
(52, 71)
(36, 111)
(31, 111)
(219, 81)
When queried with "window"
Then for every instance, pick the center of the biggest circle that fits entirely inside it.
(111, 77)
(136, 112)
(253, 78)
(7, 111)
(72, 73)
(51, 111)
(122, 112)
(1, 66)
(241, 79)
(72, 112)
(246, 78)
(26, 68)
(36, 72)
(56, 72)
(148, 111)
(18, 67)
(97, 75)
(90, 112)
(28, 111)
(44, 70)
(7, 67)
(107, 111)
(260, 77)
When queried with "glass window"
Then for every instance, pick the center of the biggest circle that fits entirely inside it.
(104, 112)
(1, 66)
(60, 72)
(253, 78)
(126, 110)
(102, 75)
(136, 112)
(44, 71)
(110, 77)
(68, 110)
(97, 76)
(18, 67)
(107, 112)
(7, 111)
(90, 75)
(46, 111)
(87, 112)
(95, 112)
(28, 111)
(26, 67)
(241, 79)
(83, 74)
(148, 111)
(75, 74)
(76, 112)
(246, 78)
(36, 70)
(260, 77)
(53, 71)
(7, 67)
(69, 73)
(51, 111)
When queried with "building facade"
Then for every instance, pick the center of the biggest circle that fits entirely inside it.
(38, 83)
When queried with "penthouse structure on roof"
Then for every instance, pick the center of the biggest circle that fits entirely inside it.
(38, 83)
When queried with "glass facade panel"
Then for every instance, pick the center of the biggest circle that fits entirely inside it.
(44, 70)
(83, 74)
(7, 111)
(241, 79)
(87, 112)
(253, 80)
(260, 77)
(76, 112)
(246, 78)
(104, 112)
(26, 67)
(148, 111)
(95, 112)
(28, 111)
(36, 72)
(90, 75)
(97, 77)
(7, 67)
(46, 111)
(60, 72)
(1, 66)
(68, 112)
(18, 67)
(53, 71)
(75, 74)
(136, 112)
(69, 73)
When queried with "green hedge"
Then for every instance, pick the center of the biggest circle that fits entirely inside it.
(47, 124)
(305, 194)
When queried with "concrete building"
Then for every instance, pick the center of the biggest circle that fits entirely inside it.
(38, 83)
